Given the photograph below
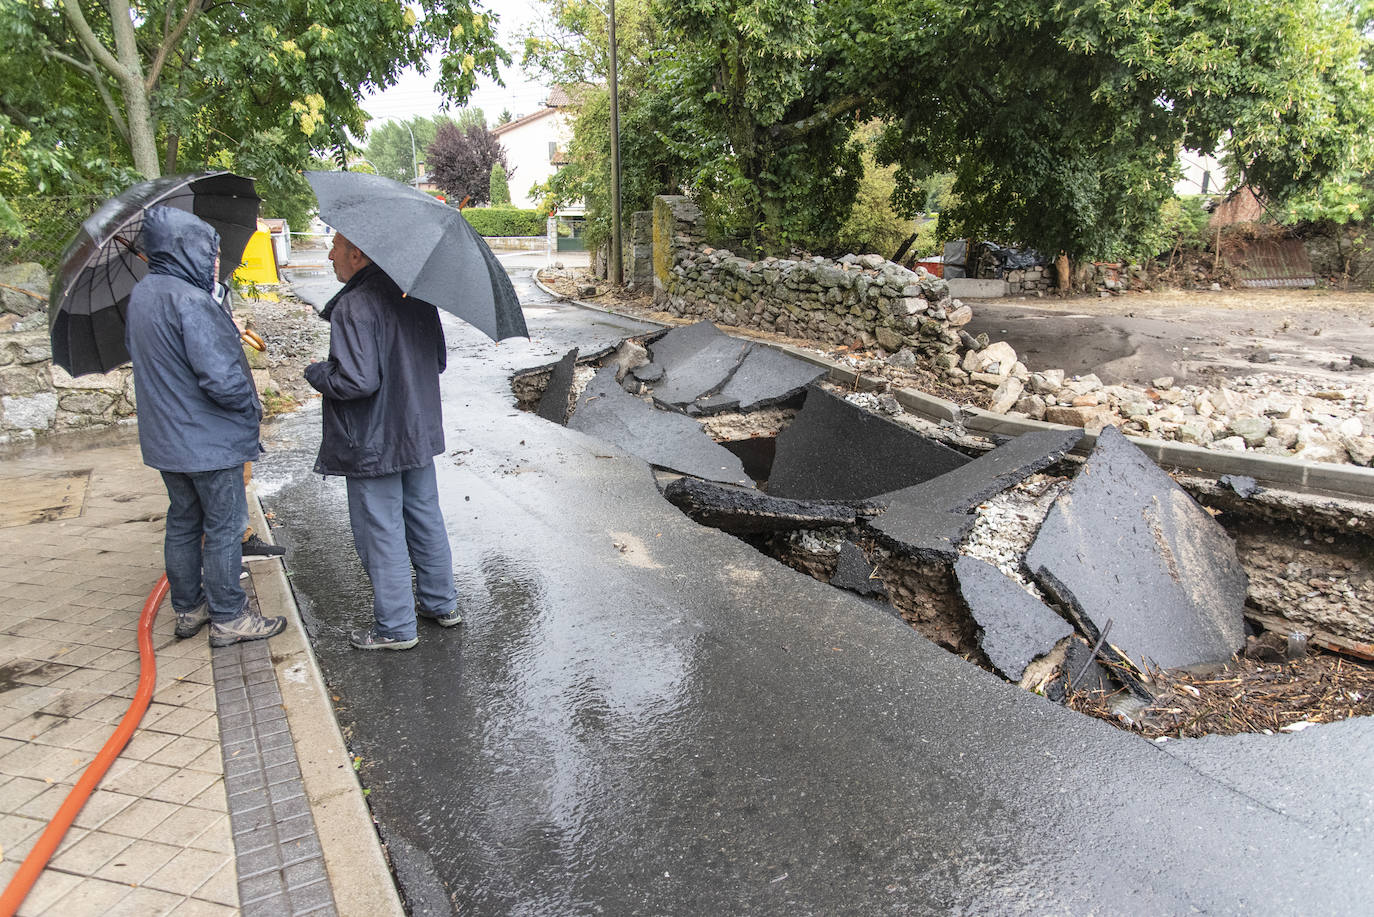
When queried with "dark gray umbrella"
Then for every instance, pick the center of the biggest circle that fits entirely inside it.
(103, 261)
(425, 246)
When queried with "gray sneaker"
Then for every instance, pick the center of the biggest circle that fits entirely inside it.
(447, 619)
(190, 622)
(247, 626)
(366, 638)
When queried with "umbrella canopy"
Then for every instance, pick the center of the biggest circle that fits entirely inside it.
(101, 264)
(425, 246)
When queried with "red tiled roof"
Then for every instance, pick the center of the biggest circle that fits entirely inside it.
(521, 122)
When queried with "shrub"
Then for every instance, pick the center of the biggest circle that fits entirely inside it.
(505, 221)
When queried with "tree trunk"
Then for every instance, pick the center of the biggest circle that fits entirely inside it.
(142, 135)
(169, 166)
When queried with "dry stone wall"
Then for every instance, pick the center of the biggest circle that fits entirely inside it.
(862, 298)
(35, 396)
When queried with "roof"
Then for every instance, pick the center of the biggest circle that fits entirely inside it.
(559, 158)
(521, 122)
(559, 98)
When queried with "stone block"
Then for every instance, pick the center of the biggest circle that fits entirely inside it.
(29, 412)
(28, 276)
(970, 288)
(19, 381)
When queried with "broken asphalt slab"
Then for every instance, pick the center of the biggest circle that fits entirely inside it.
(741, 511)
(930, 519)
(662, 438)
(700, 369)
(1014, 626)
(834, 450)
(1126, 544)
(854, 571)
(697, 360)
(556, 400)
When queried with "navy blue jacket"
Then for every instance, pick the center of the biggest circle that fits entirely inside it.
(382, 412)
(197, 408)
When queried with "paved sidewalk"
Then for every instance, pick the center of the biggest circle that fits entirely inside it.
(207, 811)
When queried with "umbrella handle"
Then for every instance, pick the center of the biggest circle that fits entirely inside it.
(253, 339)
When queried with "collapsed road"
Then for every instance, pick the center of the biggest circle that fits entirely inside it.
(641, 714)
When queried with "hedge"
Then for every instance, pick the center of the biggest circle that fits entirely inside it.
(505, 221)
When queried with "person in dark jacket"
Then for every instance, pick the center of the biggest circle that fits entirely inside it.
(383, 425)
(198, 417)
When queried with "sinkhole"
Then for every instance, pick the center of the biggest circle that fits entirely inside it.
(1088, 576)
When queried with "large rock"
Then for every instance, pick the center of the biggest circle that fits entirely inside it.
(29, 412)
(28, 276)
(1127, 545)
(556, 400)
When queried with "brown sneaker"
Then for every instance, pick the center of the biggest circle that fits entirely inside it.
(247, 626)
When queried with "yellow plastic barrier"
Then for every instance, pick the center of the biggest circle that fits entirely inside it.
(259, 260)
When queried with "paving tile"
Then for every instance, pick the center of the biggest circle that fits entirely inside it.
(103, 805)
(15, 791)
(90, 853)
(183, 785)
(74, 703)
(93, 896)
(141, 819)
(213, 798)
(187, 871)
(315, 898)
(136, 862)
(137, 778)
(251, 863)
(107, 710)
(194, 907)
(211, 761)
(42, 761)
(51, 886)
(256, 888)
(18, 830)
(45, 805)
(146, 902)
(145, 744)
(290, 830)
(187, 825)
(181, 751)
(31, 726)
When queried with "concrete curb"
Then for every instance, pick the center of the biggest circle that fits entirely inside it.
(1336, 480)
(358, 870)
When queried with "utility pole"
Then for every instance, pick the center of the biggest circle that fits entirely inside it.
(414, 160)
(615, 266)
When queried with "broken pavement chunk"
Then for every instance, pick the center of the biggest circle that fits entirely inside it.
(834, 450)
(1243, 485)
(557, 397)
(662, 438)
(768, 377)
(855, 573)
(697, 360)
(931, 519)
(1127, 544)
(734, 509)
(1014, 626)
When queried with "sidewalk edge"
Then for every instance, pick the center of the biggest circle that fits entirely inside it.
(358, 872)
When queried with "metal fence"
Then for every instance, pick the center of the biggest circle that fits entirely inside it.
(49, 222)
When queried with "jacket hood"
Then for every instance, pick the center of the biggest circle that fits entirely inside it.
(181, 245)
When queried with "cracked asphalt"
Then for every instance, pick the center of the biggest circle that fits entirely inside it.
(644, 716)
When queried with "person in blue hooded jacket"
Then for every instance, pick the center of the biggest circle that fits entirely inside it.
(198, 416)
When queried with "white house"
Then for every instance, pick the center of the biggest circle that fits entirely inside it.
(534, 145)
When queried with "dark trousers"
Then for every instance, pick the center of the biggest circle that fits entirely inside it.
(209, 506)
(397, 524)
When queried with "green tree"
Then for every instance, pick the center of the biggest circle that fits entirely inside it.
(166, 85)
(1060, 122)
(500, 188)
(391, 150)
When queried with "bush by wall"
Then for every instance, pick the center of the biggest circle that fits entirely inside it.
(505, 221)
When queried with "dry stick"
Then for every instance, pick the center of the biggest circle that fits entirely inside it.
(38, 296)
(1092, 657)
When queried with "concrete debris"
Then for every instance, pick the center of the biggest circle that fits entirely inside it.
(743, 512)
(629, 356)
(1242, 485)
(1082, 672)
(855, 573)
(767, 377)
(931, 519)
(1014, 626)
(662, 438)
(648, 372)
(836, 451)
(1128, 545)
(697, 360)
(556, 402)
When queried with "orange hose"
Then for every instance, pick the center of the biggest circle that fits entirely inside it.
(38, 857)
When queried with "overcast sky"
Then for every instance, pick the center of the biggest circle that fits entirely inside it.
(414, 94)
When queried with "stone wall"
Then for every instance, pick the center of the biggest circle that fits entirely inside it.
(35, 396)
(863, 298)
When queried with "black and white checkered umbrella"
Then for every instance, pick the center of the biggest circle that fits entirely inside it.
(101, 264)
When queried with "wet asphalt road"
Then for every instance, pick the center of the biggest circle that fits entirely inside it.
(644, 716)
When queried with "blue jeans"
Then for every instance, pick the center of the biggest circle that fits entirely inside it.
(209, 505)
(397, 523)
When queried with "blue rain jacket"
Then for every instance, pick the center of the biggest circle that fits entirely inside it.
(197, 408)
(382, 411)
